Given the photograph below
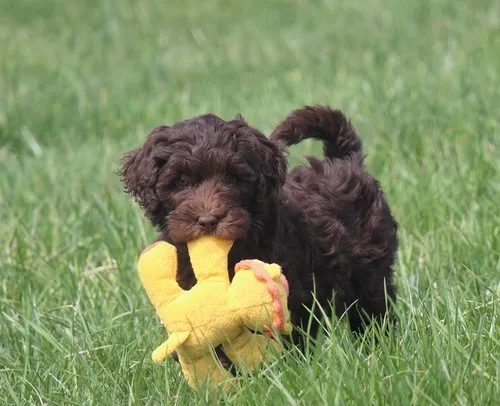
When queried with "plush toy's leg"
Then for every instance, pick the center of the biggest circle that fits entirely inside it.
(160, 353)
(205, 370)
(169, 346)
(249, 350)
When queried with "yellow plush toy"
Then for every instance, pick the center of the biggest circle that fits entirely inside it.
(214, 311)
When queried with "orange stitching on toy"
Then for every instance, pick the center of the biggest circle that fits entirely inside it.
(284, 282)
(261, 274)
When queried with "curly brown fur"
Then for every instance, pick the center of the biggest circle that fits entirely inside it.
(327, 224)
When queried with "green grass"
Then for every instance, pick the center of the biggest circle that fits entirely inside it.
(82, 82)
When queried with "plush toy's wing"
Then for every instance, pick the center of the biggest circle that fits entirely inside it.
(254, 283)
(168, 347)
(158, 270)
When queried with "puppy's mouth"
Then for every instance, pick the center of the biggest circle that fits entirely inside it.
(232, 225)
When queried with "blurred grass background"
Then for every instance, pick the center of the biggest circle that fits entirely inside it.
(83, 82)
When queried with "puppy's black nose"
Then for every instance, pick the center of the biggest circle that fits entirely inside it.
(208, 222)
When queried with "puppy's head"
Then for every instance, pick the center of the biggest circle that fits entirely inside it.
(205, 176)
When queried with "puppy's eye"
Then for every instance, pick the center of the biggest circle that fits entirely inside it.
(182, 181)
(229, 178)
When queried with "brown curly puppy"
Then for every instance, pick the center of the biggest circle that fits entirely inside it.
(327, 224)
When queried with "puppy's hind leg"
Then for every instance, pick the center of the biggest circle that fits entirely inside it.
(369, 301)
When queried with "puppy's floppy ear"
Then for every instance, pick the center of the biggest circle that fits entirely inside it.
(273, 165)
(139, 173)
(268, 157)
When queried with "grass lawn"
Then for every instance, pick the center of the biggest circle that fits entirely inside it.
(81, 82)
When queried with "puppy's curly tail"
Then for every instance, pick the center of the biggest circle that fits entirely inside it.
(320, 122)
